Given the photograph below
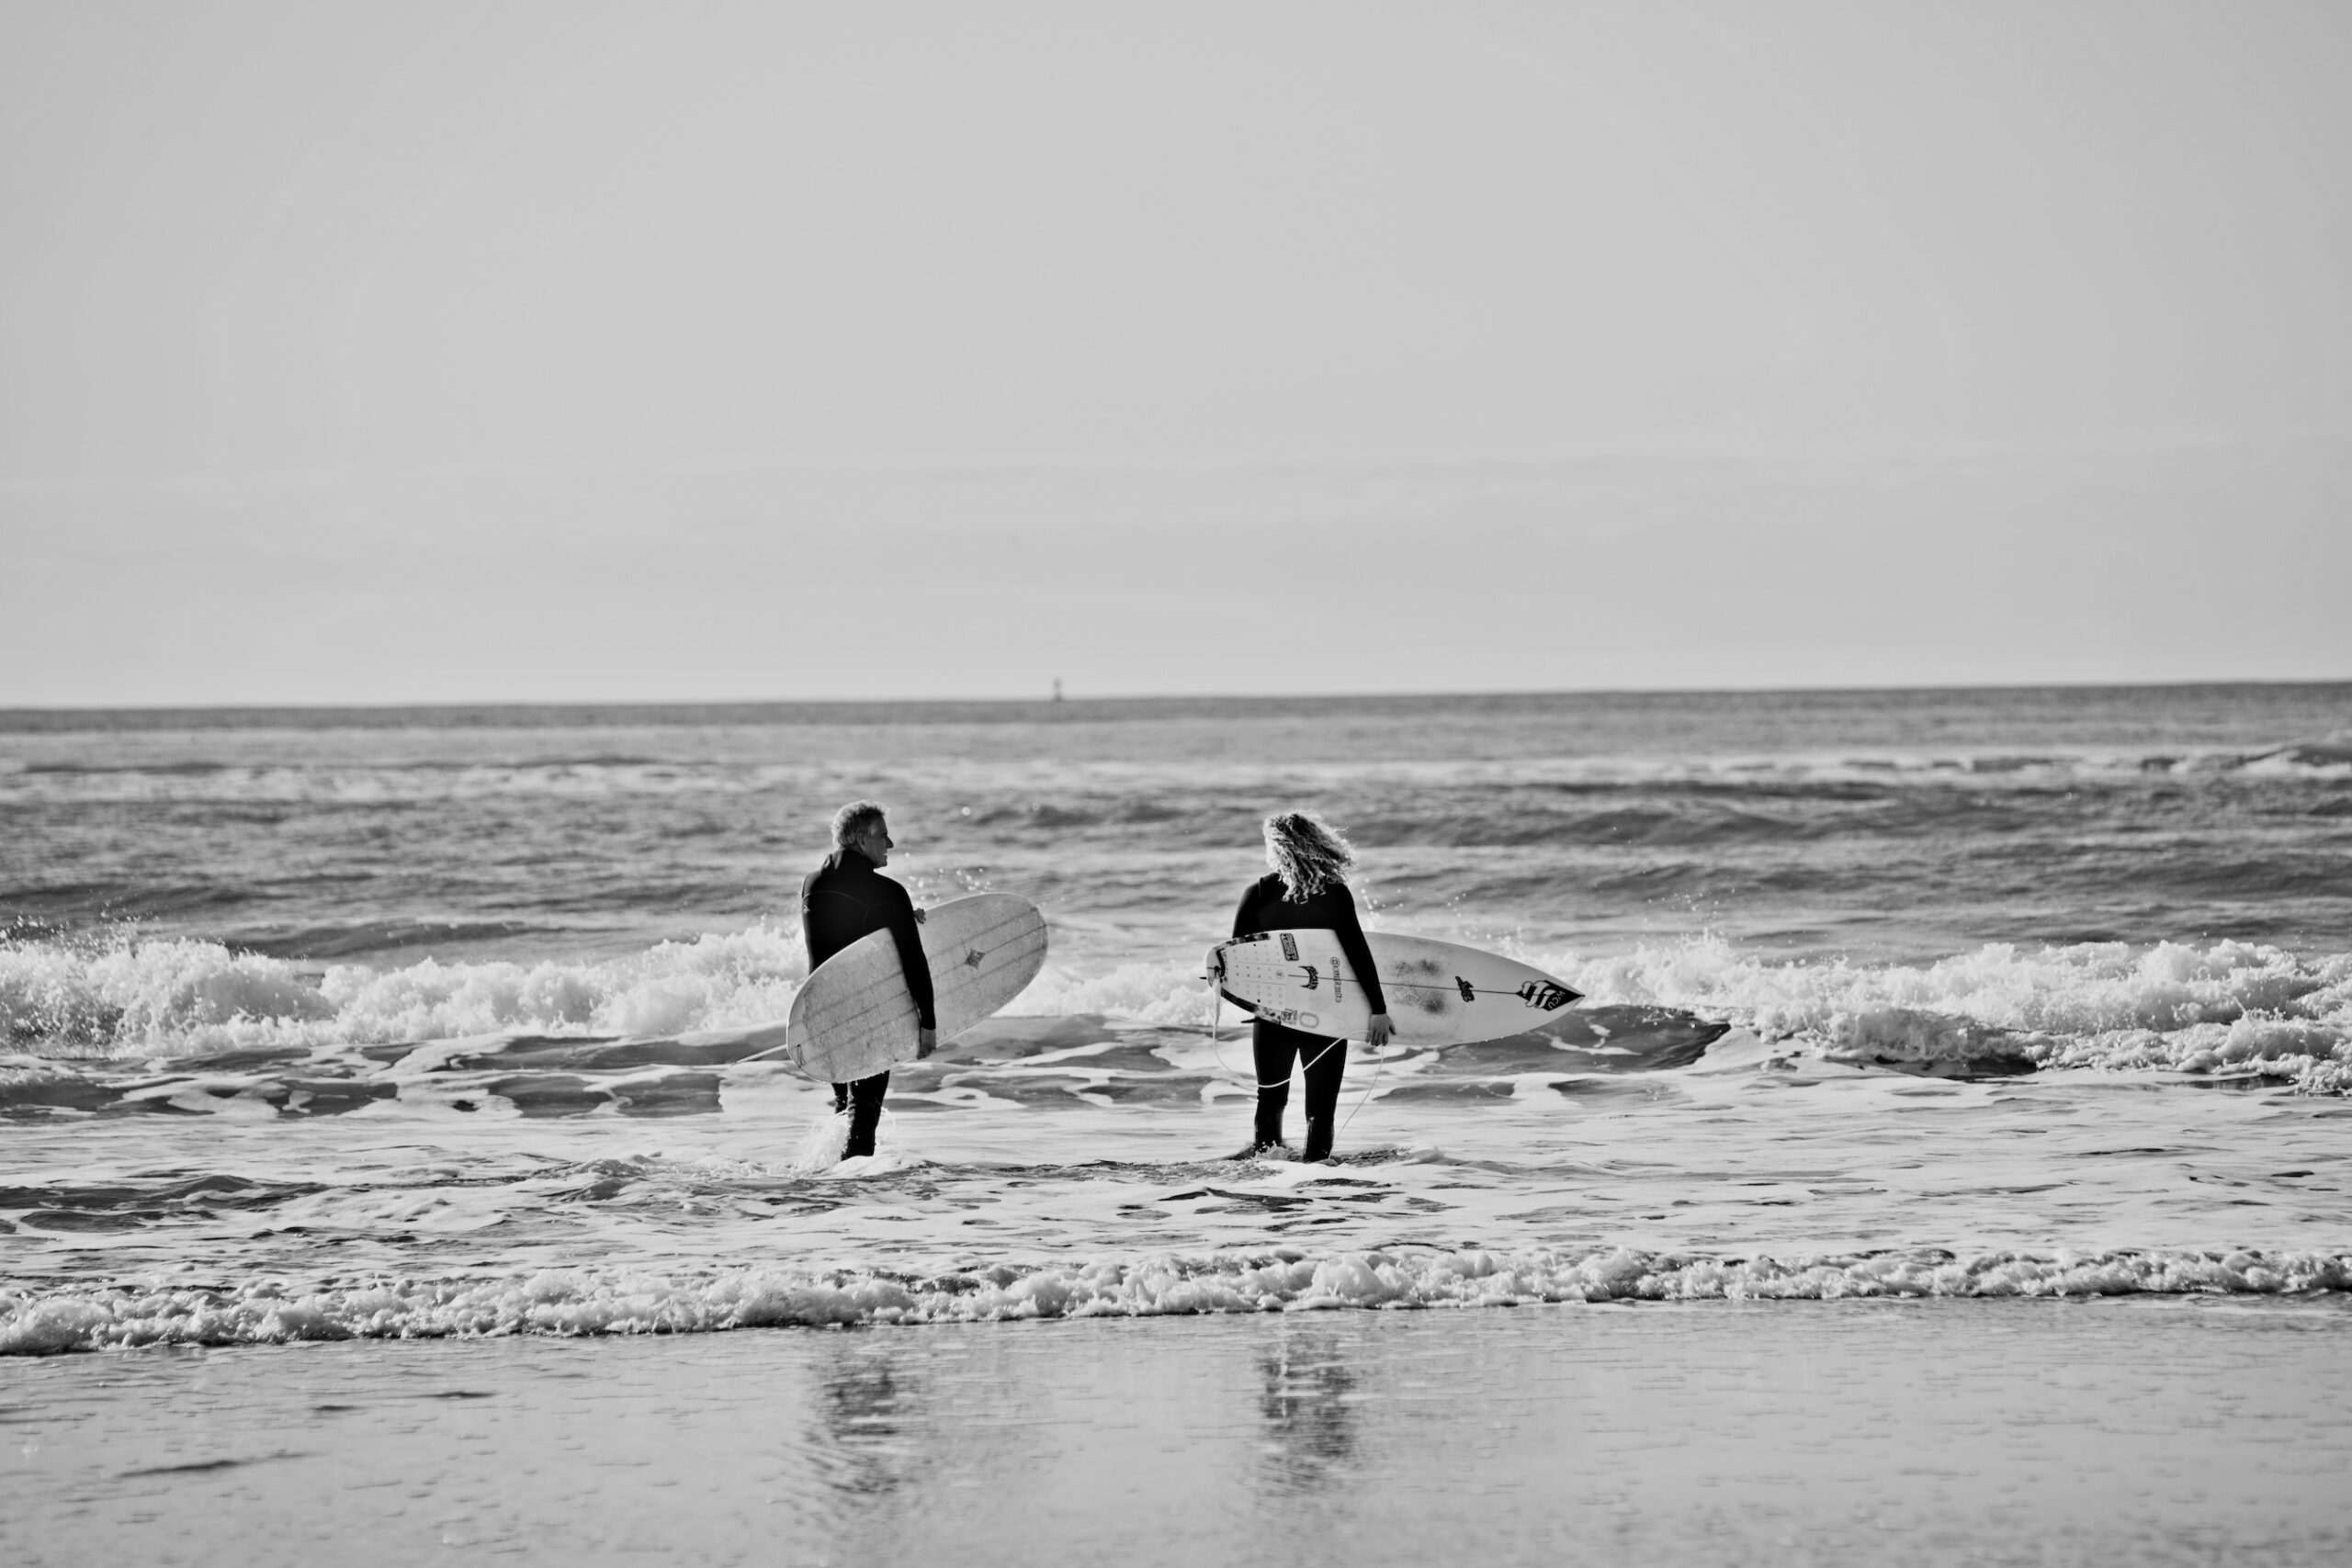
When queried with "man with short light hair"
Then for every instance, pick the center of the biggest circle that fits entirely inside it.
(848, 898)
(853, 821)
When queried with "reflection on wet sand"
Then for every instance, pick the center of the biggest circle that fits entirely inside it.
(870, 1415)
(1304, 1388)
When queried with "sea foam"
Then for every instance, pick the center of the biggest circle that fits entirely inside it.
(2223, 1008)
(125, 994)
(567, 1302)
(2175, 1007)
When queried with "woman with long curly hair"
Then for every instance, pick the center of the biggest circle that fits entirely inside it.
(1306, 890)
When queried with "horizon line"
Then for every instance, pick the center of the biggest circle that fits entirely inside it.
(10, 714)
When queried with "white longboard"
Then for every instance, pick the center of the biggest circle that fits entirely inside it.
(855, 1017)
(1438, 993)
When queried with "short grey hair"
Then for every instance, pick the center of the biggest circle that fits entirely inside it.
(851, 822)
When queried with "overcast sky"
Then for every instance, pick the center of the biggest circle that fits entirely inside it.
(356, 353)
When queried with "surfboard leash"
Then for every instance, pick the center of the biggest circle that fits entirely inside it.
(1217, 1040)
(1370, 1084)
(1216, 1046)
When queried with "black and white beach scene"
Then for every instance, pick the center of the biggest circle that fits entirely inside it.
(1338, 785)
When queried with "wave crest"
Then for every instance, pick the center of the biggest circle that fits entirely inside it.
(178, 997)
(2227, 1007)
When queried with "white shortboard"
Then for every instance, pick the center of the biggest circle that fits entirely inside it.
(855, 1018)
(1438, 993)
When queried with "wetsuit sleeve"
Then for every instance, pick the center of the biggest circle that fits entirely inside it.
(904, 932)
(807, 929)
(1359, 951)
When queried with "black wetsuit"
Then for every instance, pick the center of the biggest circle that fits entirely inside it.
(1267, 908)
(841, 901)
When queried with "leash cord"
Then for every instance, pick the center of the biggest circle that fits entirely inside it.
(1216, 1043)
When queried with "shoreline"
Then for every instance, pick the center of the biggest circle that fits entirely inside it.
(2186, 1430)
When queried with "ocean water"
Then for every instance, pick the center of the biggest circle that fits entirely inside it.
(389, 1024)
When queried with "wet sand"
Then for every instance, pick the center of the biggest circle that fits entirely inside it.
(2148, 1430)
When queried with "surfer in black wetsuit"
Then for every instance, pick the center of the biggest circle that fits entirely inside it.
(1306, 890)
(848, 898)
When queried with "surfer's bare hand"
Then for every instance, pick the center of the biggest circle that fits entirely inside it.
(1375, 1033)
(926, 1042)
(918, 914)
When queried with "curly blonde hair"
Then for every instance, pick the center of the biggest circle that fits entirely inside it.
(1306, 852)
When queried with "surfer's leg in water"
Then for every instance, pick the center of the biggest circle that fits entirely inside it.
(1324, 1063)
(1273, 1049)
(863, 1100)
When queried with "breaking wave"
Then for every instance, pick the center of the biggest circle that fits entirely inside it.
(2219, 1009)
(124, 994)
(2223, 1008)
(579, 1304)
